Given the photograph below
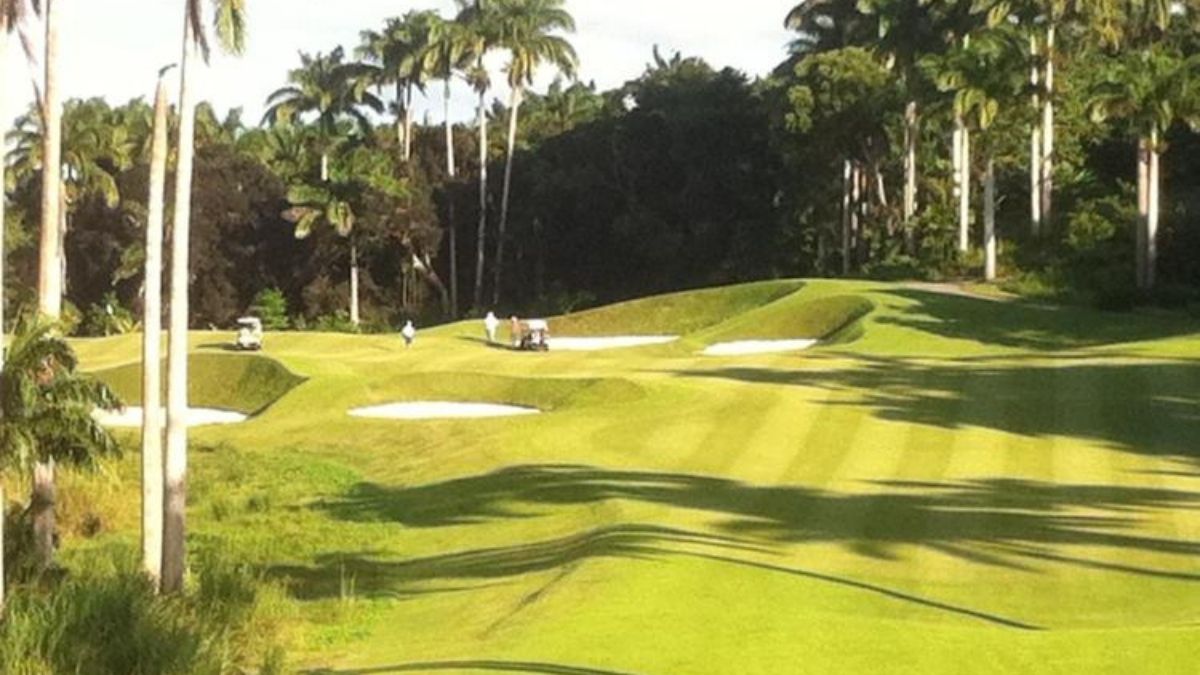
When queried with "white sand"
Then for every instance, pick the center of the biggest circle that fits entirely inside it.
(744, 347)
(131, 417)
(440, 410)
(589, 344)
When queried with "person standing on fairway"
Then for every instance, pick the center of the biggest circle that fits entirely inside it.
(409, 332)
(491, 324)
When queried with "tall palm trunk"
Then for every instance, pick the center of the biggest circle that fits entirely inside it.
(1154, 185)
(481, 235)
(911, 131)
(964, 193)
(1143, 179)
(408, 123)
(856, 211)
(3, 511)
(4, 30)
(152, 423)
(847, 214)
(450, 163)
(174, 517)
(354, 315)
(41, 512)
(49, 270)
(1047, 172)
(1035, 144)
(451, 173)
(989, 221)
(498, 263)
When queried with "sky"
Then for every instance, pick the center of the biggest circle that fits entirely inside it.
(114, 48)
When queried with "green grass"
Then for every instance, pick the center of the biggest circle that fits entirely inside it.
(673, 314)
(793, 317)
(245, 383)
(967, 484)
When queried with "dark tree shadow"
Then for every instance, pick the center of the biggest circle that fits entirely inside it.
(1030, 326)
(1148, 408)
(369, 574)
(996, 522)
(479, 664)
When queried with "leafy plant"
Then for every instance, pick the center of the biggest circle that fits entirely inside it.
(271, 307)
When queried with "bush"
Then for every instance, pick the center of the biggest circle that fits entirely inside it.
(109, 620)
(271, 307)
(108, 317)
(338, 322)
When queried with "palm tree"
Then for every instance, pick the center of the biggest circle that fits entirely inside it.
(398, 54)
(47, 408)
(50, 289)
(12, 17)
(1153, 88)
(984, 77)
(330, 88)
(152, 422)
(334, 91)
(448, 53)
(527, 29)
(481, 34)
(331, 202)
(230, 23)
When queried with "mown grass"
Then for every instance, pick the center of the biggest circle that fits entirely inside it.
(673, 314)
(792, 317)
(969, 484)
(245, 383)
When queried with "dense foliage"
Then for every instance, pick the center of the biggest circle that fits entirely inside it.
(686, 175)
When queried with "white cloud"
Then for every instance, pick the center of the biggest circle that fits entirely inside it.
(113, 48)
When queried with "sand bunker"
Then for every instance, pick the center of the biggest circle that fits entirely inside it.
(588, 344)
(744, 347)
(131, 417)
(440, 410)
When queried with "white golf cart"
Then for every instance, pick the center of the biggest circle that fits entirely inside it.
(249, 334)
(535, 336)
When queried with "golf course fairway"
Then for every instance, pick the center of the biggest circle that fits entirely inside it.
(944, 483)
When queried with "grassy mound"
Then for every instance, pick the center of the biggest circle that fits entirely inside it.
(793, 317)
(245, 383)
(673, 314)
(552, 393)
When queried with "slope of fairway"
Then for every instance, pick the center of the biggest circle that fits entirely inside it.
(968, 485)
(796, 316)
(673, 314)
(245, 383)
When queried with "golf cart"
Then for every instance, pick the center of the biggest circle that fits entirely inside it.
(535, 336)
(249, 334)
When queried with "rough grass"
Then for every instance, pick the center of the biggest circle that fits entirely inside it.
(245, 383)
(1010, 487)
(106, 619)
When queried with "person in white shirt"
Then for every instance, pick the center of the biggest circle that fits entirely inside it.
(491, 324)
(409, 332)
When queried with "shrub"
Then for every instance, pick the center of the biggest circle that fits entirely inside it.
(338, 322)
(108, 317)
(271, 307)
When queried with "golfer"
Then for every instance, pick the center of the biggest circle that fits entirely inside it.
(514, 329)
(491, 324)
(409, 332)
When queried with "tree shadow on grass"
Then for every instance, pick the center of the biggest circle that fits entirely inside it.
(1150, 408)
(352, 574)
(996, 522)
(367, 573)
(538, 667)
(1027, 326)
